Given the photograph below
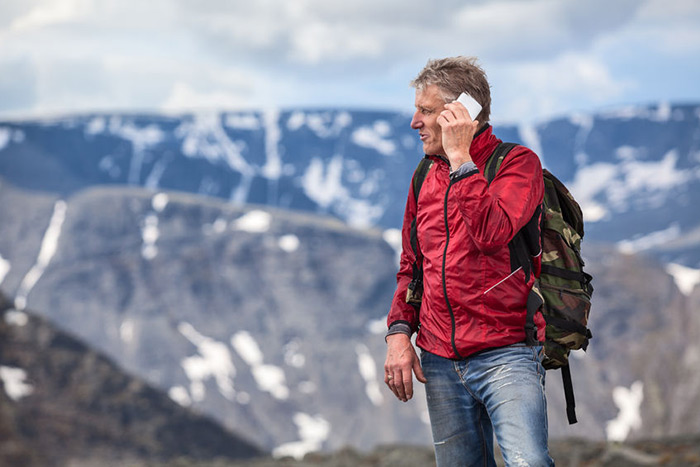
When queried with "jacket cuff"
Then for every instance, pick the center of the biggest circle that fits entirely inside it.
(399, 327)
(463, 170)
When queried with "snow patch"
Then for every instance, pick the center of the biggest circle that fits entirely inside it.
(159, 202)
(360, 214)
(152, 181)
(588, 182)
(324, 124)
(272, 170)
(368, 371)
(96, 126)
(141, 138)
(269, 378)
(205, 137)
(180, 395)
(254, 222)
(149, 235)
(14, 380)
(631, 180)
(292, 356)
(377, 326)
(663, 112)
(313, 431)
(49, 245)
(375, 137)
(213, 360)
(242, 121)
(654, 175)
(5, 137)
(217, 227)
(16, 318)
(288, 243)
(324, 184)
(531, 138)
(296, 121)
(628, 401)
(126, 331)
(8, 135)
(4, 268)
(108, 164)
(394, 239)
(686, 278)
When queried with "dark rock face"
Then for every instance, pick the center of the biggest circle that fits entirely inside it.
(63, 402)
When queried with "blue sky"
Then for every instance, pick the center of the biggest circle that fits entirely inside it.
(544, 58)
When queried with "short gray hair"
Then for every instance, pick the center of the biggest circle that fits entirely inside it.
(454, 75)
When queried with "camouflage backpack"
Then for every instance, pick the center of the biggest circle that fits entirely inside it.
(563, 290)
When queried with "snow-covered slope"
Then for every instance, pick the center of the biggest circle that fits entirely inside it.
(635, 171)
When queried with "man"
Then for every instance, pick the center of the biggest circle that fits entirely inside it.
(481, 376)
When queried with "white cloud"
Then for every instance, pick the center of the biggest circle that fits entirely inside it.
(183, 97)
(533, 90)
(321, 41)
(543, 57)
(50, 13)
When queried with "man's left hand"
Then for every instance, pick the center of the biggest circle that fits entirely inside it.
(458, 130)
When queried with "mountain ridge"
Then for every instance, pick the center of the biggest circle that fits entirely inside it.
(270, 318)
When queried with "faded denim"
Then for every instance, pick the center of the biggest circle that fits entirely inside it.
(498, 391)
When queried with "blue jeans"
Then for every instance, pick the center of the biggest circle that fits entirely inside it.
(497, 391)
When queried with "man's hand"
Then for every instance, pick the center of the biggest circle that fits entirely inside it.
(401, 362)
(458, 130)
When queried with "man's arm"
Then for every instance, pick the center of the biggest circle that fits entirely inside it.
(496, 212)
(402, 321)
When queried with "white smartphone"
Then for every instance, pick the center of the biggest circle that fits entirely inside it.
(473, 107)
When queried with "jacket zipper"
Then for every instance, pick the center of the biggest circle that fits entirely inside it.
(444, 280)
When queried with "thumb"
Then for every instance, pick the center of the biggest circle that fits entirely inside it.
(419, 372)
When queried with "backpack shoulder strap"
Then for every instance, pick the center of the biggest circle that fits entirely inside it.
(419, 175)
(496, 159)
(415, 288)
(418, 178)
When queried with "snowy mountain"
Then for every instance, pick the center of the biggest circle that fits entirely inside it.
(269, 321)
(191, 251)
(636, 171)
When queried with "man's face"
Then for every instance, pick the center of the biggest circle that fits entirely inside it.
(429, 104)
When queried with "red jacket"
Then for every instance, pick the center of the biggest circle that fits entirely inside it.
(472, 300)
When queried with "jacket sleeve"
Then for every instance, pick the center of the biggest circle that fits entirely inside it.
(496, 212)
(402, 312)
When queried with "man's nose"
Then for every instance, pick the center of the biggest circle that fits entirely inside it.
(416, 122)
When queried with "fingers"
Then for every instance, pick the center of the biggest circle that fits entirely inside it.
(401, 384)
(401, 362)
(418, 370)
(455, 114)
(459, 110)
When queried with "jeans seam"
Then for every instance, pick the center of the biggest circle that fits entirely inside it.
(463, 379)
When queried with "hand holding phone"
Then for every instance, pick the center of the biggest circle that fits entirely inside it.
(473, 107)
